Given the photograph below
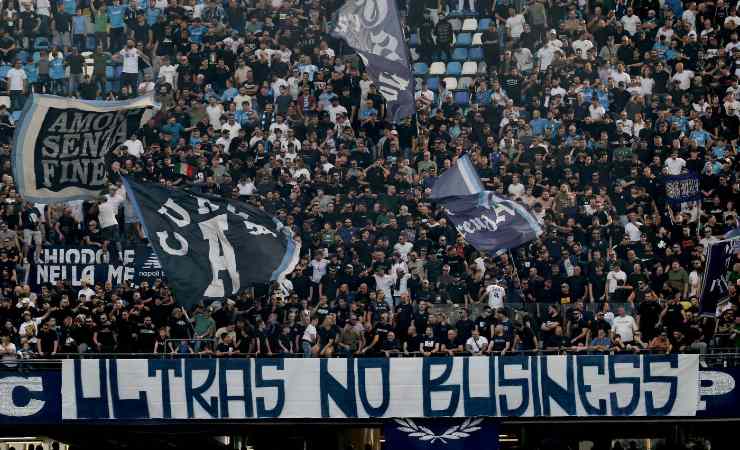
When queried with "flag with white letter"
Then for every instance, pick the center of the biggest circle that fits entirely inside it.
(61, 145)
(489, 222)
(211, 247)
(373, 29)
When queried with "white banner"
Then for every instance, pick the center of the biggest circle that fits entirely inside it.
(555, 386)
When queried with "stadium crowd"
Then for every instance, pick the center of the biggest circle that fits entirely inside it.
(576, 109)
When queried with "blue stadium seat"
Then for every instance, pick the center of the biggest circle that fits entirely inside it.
(460, 54)
(413, 40)
(23, 56)
(464, 40)
(15, 116)
(421, 69)
(4, 69)
(484, 23)
(475, 54)
(454, 68)
(462, 98)
(433, 83)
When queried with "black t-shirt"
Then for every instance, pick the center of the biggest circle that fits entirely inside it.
(47, 339)
(428, 343)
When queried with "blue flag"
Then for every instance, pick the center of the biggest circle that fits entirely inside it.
(490, 223)
(439, 433)
(373, 29)
(460, 179)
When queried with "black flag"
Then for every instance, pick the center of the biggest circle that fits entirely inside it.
(373, 29)
(211, 247)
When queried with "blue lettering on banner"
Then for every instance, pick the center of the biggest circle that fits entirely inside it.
(514, 386)
(30, 397)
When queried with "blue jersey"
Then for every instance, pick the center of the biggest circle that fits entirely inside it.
(152, 14)
(116, 15)
(32, 72)
(56, 68)
(70, 6)
(196, 33)
(78, 25)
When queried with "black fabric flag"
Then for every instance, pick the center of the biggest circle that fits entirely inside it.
(211, 247)
(715, 286)
(61, 144)
(373, 29)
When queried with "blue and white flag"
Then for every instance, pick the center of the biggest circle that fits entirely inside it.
(373, 29)
(460, 179)
(489, 222)
(61, 145)
(448, 434)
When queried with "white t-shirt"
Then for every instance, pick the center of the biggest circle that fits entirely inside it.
(515, 25)
(130, 60)
(675, 165)
(584, 46)
(612, 278)
(633, 231)
(630, 23)
(476, 346)
(134, 147)
(169, 72)
(108, 210)
(596, 112)
(625, 327)
(318, 269)
(684, 79)
(496, 296)
(15, 78)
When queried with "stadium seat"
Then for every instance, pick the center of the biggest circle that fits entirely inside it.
(433, 83)
(421, 69)
(476, 54)
(463, 40)
(470, 24)
(5, 100)
(482, 68)
(477, 39)
(456, 25)
(460, 54)
(462, 98)
(454, 68)
(465, 82)
(23, 56)
(413, 40)
(450, 83)
(4, 69)
(469, 68)
(15, 116)
(484, 23)
(437, 68)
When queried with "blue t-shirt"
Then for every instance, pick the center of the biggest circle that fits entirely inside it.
(538, 126)
(78, 25)
(56, 68)
(116, 15)
(152, 14)
(70, 6)
(196, 33)
(32, 72)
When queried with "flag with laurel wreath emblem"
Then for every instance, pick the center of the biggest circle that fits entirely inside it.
(441, 433)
